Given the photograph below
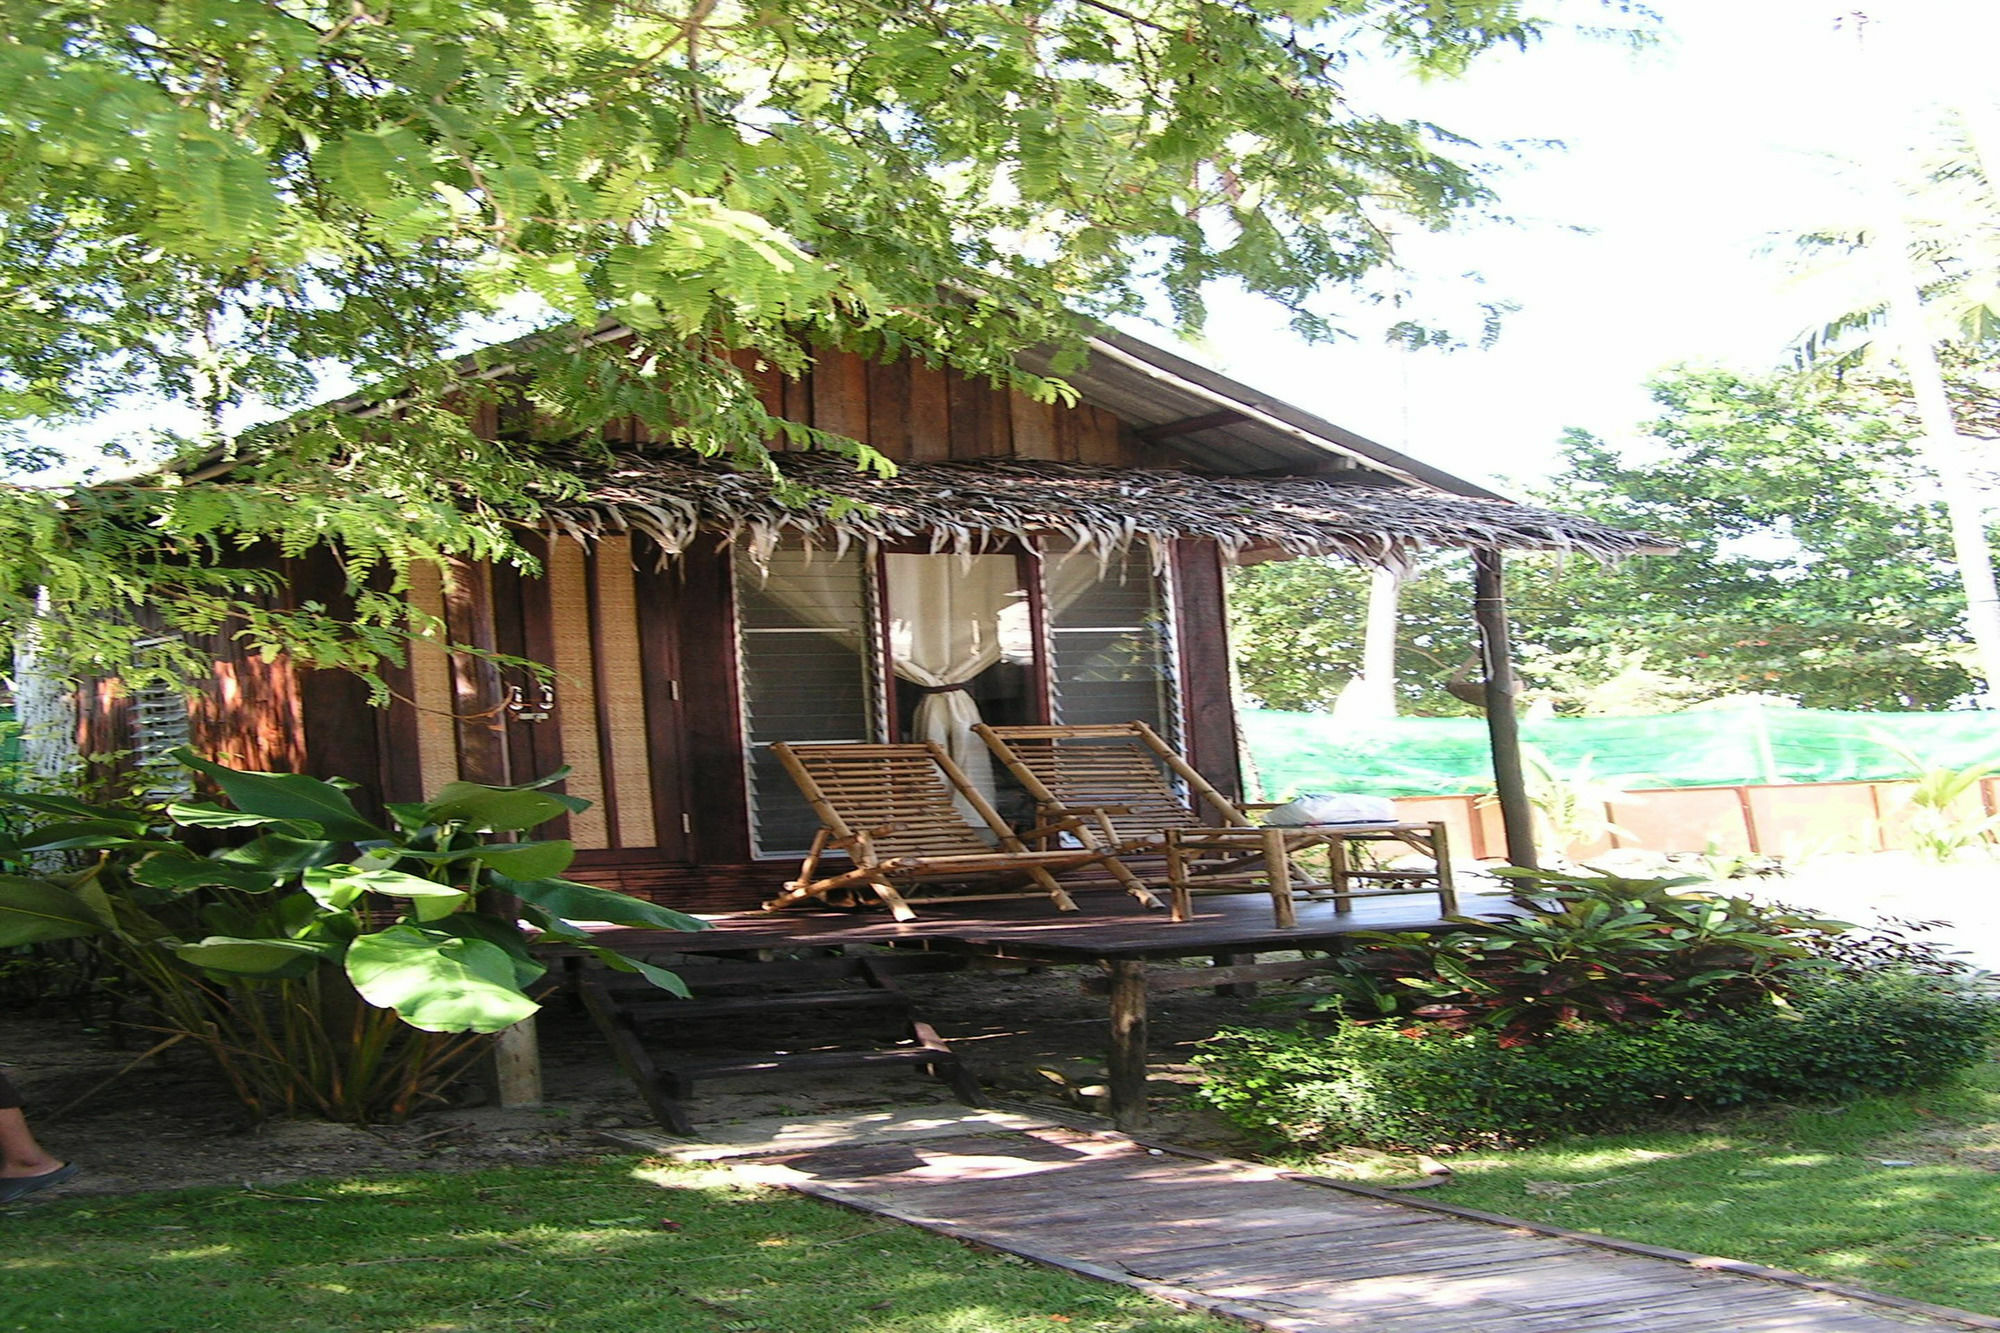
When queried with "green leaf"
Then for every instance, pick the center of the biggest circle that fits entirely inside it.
(529, 860)
(582, 902)
(618, 962)
(83, 834)
(34, 910)
(341, 886)
(438, 982)
(492, 809)
(502, 935)
(552, 928)
(181, 869)
(260, 960)
(63, 805)
(288, 796)
(281, 854)
(202, 815)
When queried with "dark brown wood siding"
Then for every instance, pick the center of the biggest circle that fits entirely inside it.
(912, 412)
(718, 804)
(1202, 634)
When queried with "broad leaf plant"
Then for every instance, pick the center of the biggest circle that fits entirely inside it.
(325, 961)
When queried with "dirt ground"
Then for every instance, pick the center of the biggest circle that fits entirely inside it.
(170, 1123)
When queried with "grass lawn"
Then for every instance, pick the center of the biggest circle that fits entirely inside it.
(618, 1245)
(1803, 1189)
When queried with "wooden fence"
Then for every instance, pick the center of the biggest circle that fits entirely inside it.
(1787, 820)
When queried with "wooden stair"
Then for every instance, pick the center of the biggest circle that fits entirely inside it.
(648, 1029)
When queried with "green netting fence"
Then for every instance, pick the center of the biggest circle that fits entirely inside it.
(1752, 745)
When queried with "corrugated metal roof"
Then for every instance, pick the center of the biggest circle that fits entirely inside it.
(1149, 386)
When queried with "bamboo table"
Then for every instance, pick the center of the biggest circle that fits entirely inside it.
(1244, 860)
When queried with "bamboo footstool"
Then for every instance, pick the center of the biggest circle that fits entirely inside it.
(1246, 860)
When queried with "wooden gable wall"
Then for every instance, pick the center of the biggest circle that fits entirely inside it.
(915, 413)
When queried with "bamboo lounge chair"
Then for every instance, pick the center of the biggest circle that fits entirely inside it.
(1142, 798)
(890, 808)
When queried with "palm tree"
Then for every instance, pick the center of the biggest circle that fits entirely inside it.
(1927, 264)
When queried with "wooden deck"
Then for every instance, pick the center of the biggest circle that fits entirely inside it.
(1110, 932)
(1266, 1247)
(1107, 924)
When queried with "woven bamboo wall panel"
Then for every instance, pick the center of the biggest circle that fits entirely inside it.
(430, 678)
(623, 700)
(576, 687)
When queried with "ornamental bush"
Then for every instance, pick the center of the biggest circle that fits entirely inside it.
(1588, 947)
(1430, 1087)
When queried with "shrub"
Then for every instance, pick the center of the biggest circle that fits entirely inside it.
(1589, 946)
(1428, 1087)
(325, 963)
(1879, 1032)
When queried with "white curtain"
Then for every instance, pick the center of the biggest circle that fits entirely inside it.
(950, 618)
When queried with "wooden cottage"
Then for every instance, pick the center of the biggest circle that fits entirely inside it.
(1028, 563)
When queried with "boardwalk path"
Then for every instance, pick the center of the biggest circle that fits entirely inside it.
(1249, 1241)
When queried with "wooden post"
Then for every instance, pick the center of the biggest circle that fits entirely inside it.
(1503, 727)
(1126, 1069)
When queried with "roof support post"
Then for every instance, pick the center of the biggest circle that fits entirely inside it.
(1503, 726)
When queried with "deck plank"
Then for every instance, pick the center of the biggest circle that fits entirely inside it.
(1288, 1255)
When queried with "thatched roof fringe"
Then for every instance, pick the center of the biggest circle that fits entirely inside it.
(963, 507)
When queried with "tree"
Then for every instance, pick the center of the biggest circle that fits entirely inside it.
(220, 204)
(1814, 557)
(1296, 633)
(1814, 565)
(1923, 262)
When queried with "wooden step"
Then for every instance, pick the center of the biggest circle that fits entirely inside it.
(706, 977)
(632, 1023)
(807, 1061)
(671, 1009)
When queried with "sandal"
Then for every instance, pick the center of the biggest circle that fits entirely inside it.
(20, 1187)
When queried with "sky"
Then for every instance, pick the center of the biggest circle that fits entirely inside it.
(1646, 240)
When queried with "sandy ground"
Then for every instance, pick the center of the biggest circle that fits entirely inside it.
(1964, 895)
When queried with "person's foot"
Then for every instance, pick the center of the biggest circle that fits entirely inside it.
(20, 1187)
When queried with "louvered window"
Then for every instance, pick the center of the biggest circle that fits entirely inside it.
(1111, 654)
(808, 674)
(160, 725)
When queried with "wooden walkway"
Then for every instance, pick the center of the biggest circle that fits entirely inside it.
(1259, 1245)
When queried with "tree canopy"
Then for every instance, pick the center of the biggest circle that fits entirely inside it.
(1815, 557)
(1814, 565)
(223, 205)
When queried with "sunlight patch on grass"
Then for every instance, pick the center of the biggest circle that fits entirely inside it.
(198, 1253)
(576, 1249)
(368, 1189)
(1797, 1188)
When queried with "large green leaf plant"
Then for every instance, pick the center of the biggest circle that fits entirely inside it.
(327, 963)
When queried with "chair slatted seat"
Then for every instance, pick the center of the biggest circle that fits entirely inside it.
(1139, 797)
(895, 811)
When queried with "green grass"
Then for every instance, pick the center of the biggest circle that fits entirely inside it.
(1803, 1189)
(612, 1246)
